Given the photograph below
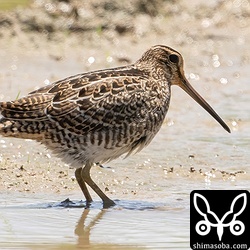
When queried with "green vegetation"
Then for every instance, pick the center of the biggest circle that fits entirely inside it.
(11, 4)
(19, 92)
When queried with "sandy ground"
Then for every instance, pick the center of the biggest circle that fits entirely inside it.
(54, 39)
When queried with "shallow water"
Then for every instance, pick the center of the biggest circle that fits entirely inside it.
(128, 225)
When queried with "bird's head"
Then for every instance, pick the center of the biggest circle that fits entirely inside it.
(166, 59)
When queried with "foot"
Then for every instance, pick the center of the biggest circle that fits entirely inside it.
(108, 203)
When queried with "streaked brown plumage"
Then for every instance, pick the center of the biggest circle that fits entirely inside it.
(100, 115)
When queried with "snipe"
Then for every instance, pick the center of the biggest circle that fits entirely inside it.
(100, 115)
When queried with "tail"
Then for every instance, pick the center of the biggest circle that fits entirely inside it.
(23, 118)
(22, 129)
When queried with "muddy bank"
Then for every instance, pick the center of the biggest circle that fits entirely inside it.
(181, 22)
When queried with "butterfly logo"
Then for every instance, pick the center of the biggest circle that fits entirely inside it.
(203, 227)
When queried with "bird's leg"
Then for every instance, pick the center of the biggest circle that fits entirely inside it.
(82, 185)
(86, 177)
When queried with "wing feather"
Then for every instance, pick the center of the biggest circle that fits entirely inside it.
(85, 102)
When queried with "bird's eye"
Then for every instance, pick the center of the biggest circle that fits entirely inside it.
(174, 58)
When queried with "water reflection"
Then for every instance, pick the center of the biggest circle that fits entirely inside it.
(128, 225)
(83, 231)
(131, 229)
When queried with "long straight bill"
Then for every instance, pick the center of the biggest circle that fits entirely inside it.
(186, 86)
